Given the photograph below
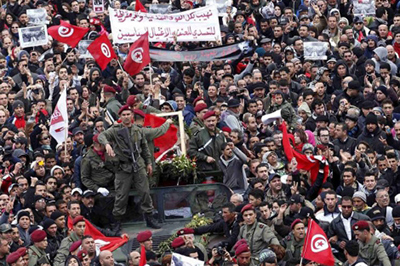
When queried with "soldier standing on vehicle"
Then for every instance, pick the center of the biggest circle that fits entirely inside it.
(206, 144)
(127, 143)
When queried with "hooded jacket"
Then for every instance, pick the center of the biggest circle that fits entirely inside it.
(369, 53)
(382, 53)
(372, 138)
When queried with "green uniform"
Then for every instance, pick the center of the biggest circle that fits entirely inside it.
(113, 106)
(35, 255)
(258, 236)
(196, 125)
(95, 172)
(147, 109)
(63, 250)
(373, 252)
(293, 249)
(126, 172)
(202, 145)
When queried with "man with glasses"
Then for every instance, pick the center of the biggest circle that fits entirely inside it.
(340, 232)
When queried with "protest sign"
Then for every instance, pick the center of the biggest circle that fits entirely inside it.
(200, 24)
(315, 50)
(37, 16)
(33, 36)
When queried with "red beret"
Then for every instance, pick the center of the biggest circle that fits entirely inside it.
(131, 100)
(144, 236)
(241, 249)
(185, 231)
(246, 208)
(240, 242)
(96, 138)
(139, 112)
(109, 89)
(81, 254)
(123, 108)
(22, 251)
(196, 100)
(200, 107)
(75, 245)
(322, 147)
(178, 242)
(360, 225)
(78, 219)
(13, 257)
(209, 114)
(226, 129)
(38, 236)
(297, 221)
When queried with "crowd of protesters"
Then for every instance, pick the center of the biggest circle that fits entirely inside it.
(343, 112)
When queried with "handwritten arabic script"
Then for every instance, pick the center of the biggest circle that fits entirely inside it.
(200, 24)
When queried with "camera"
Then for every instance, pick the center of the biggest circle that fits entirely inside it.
(221, 250)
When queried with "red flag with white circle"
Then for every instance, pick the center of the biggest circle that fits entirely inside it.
(67, 33)
(139, 55)
(102, 51)
(316, 245)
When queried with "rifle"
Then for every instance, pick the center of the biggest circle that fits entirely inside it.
(124, 133)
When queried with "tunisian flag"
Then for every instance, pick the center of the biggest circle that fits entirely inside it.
(138, 56)
(104, 242)
(307, 163)
(142, 260)
(67, 33)
(316, 245)
(140, 7)
(166, 141)
(102, 51)
(59, 119)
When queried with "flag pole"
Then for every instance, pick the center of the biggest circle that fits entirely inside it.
(66, 126)
(151, 75)
(305, 241)
(119, 63)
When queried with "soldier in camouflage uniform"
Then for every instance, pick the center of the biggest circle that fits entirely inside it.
(134, 164)
(206, 145)
(294, 242)
(197, 122)
(258, 235)
(371, 248)
(97, 171)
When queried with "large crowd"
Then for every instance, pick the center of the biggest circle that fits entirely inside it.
(341, 112)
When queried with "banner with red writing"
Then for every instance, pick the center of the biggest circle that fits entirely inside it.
(200, 24)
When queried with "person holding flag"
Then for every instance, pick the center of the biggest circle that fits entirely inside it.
(294, 242)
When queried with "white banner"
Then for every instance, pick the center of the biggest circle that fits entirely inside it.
(59, 119)
(200, 24)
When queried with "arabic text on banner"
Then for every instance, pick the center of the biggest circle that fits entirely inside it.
(200, 24)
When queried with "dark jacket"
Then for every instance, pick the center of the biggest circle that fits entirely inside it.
(372, 138)
(230, 231)
(336, 228)
(348, 145)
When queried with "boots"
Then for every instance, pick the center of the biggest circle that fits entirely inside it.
(151, 222)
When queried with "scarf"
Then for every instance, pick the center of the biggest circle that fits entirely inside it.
(101, 154)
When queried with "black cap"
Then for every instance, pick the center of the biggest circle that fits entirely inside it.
(322, 118)
(376, 215)
(233, 103)
(296, 198)
(77, 130)
(305, 212)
